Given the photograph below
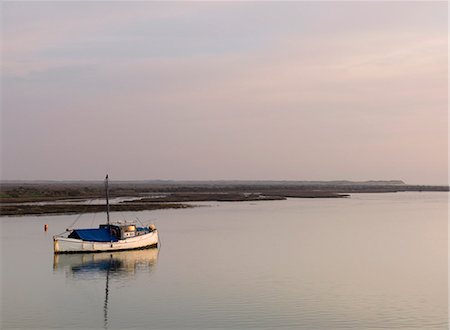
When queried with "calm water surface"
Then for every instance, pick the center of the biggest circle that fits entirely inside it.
(367, 262)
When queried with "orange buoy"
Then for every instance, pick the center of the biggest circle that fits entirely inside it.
(45, 227)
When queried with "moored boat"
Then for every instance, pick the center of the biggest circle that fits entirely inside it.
(107, 237)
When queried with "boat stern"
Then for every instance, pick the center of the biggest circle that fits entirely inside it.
(55, 245)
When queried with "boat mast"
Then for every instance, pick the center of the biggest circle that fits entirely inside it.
(107, 198)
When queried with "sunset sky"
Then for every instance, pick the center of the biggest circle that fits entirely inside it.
(225, 90)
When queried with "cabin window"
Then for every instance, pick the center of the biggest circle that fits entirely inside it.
(115, 232)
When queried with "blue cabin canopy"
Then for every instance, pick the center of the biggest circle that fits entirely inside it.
(93, 235)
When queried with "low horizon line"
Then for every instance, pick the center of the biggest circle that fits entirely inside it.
(399, 181)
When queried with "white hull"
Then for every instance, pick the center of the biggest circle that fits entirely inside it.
(64, 244)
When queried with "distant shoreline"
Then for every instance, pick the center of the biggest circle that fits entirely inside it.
(15, 197)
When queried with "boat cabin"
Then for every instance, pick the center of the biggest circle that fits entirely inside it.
(110, 233)
(124, 231)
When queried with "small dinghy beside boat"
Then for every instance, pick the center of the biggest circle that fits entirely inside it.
(107, 237)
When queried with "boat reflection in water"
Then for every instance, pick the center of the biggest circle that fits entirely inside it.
(123, 264)
(116, 264)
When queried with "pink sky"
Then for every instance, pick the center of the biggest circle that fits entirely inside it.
(199, 91)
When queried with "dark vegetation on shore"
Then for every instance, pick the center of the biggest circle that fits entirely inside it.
(15, 196)
(23, 209)
(232, 196)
